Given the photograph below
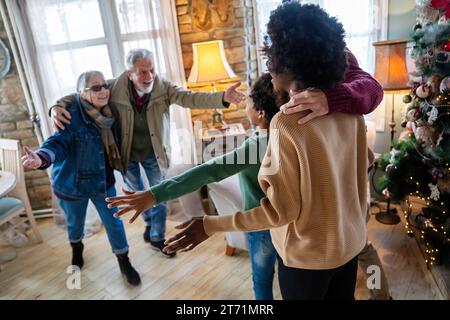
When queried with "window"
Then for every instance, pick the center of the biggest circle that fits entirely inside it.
(78, 35)
(365, 21)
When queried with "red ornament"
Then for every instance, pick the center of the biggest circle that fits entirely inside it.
(444, 4)
(439, 3)
(447, 46)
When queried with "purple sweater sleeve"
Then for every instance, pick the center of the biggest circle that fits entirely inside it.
(359, 93)
(46, 160)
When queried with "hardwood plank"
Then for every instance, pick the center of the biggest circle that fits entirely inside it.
(39, 271)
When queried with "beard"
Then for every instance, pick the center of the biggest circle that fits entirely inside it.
(145, 90)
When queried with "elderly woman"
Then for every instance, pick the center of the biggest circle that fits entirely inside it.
(83, 158)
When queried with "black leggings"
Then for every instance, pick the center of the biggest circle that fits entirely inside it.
(333, 284)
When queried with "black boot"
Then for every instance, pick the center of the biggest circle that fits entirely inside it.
(127, 269)
(77, 254)
(146, 234)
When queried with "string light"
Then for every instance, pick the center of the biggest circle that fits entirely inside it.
(432, 222)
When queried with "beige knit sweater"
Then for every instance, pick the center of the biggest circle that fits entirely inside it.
(315, 180)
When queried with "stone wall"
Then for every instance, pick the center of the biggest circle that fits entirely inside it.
(228, 20)
(15, 124)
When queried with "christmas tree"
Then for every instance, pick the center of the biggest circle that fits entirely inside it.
(419, 163)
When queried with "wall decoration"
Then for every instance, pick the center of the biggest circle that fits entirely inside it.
(5, 60)
(222, 12)
(201, 14)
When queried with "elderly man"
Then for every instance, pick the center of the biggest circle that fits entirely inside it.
(141, 100)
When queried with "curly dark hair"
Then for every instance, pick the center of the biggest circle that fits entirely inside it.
(265, 98)
(304, 42)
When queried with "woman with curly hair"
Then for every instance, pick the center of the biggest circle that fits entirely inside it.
(315, 202)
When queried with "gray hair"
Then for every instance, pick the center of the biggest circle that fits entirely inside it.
(84, 78)
(135, 54)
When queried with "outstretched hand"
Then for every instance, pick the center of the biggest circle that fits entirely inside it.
(30, 159)
(139, 201)
(192, 235)
(314, 100)
(232, 95)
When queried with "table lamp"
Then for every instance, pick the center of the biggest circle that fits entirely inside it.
(210, 66)
(390, 71)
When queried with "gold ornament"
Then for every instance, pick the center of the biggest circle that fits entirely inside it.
(407, 99)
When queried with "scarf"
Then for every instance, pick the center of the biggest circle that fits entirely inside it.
(104, 120)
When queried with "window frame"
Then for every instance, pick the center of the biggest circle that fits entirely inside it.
(113, 38)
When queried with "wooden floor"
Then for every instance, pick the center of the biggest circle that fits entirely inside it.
(39, 271)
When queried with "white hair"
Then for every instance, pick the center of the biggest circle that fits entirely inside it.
(84, 78)
(135, 54)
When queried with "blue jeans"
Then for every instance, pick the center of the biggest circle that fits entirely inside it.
(262, 257)
(156, 216)
(75, 212)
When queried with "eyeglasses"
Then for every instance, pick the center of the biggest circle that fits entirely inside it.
(98, 87)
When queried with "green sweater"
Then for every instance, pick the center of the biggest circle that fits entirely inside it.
(245, 160)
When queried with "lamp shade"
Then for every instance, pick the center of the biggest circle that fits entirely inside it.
(210, 63)
(390, 65)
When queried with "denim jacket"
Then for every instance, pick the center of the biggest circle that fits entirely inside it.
(78, 158)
